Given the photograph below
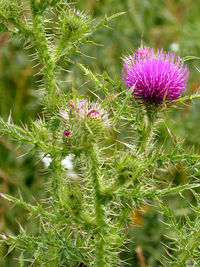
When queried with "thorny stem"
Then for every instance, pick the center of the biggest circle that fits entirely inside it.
(45, 58)
(99, 212)
(148, 131)
(52, 93)
(56, 179)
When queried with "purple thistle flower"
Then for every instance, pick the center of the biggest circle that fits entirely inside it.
(155, 77)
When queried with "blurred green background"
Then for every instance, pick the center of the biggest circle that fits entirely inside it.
(170, 24)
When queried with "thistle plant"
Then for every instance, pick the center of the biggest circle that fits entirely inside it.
(87, 210)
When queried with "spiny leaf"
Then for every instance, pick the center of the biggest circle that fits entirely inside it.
(177, 189)
(90, 74)
(106, 20)
(189, 97)
(34, 210)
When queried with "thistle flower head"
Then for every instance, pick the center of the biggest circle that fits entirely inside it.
(156, 77)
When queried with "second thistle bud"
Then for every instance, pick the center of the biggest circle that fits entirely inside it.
(84, 110)
(94, 114)
(91, 115)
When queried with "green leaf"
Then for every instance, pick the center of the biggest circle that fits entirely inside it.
(106, 20)
(187, 58)
(178, 189)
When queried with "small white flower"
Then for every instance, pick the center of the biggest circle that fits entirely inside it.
(67, 162)
(46, 160)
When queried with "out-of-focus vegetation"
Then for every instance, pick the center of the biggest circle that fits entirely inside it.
(168, 24)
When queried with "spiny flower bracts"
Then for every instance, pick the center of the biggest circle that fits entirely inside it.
(88, 110)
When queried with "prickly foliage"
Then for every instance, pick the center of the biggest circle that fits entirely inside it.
(83, 220)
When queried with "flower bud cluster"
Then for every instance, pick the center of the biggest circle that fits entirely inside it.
(83, 116)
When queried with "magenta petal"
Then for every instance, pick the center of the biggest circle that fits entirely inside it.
(155, 76)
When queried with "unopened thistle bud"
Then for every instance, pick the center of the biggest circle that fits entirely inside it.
(94, 114)
(66, 134)
(85, 110)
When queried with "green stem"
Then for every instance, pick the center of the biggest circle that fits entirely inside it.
(99, 211)
(56, 168)
(59, 49)
(53, 96)
(148, 131)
